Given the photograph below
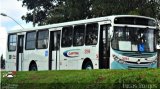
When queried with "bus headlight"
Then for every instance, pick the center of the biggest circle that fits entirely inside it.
(118, 59)
(155, 61)
(121, 61)
(115, 58)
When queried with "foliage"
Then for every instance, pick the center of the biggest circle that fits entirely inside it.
(85, 79)
(39, 8)
(54, 11)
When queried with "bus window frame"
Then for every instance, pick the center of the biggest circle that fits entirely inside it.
(62, 45)
(74, 45)
(8, 42)
(26, 40)
(37, 34)
(86, 33)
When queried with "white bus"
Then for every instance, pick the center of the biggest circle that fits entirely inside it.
(114, 42)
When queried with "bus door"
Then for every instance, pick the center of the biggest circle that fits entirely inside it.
(54, 51)
(104, 46)
(19, 58)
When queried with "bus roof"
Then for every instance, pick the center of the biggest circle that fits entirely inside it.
(56, 25)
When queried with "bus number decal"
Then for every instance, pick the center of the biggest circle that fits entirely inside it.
(87, 51)
(71, 53)
(13, 57)
(125, 58)
(97, 56)
(10, 56)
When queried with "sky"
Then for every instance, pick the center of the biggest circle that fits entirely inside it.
(14, 9)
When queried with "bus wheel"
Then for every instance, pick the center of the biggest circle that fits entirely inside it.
(33, 67)
(88, 66)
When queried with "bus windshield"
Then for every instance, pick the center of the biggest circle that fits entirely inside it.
(133, 39)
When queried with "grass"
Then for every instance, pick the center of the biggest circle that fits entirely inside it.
(84, 79)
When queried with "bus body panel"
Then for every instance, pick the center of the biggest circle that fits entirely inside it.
(73, 57)
(40, 56)
(11, 62)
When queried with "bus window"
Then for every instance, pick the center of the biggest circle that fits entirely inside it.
(12, 42)
(67, 36)
(78, 39)
(139, 39)
(42, 39)
(55, 40)
(30, 40)
(91, 34)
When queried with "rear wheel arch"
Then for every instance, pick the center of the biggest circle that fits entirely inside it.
(87, 63)
(33, 66)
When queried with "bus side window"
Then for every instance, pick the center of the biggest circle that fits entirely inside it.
(67, 36)
(42, 39)
(12, 39)
(91, 34)
(78, 39)
(30, 40)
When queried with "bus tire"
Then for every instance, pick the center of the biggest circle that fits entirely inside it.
(88, 66)
(33, 67)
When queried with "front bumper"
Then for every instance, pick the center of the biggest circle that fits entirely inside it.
(117, 65)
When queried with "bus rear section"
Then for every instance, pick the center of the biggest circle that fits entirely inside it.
(14, 52)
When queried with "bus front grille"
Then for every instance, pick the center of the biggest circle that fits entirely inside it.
(138, 62)
(131, 67)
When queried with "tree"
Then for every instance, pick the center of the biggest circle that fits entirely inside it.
(116, 7)
(39, 10)
(54, 11)
(69, 10)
